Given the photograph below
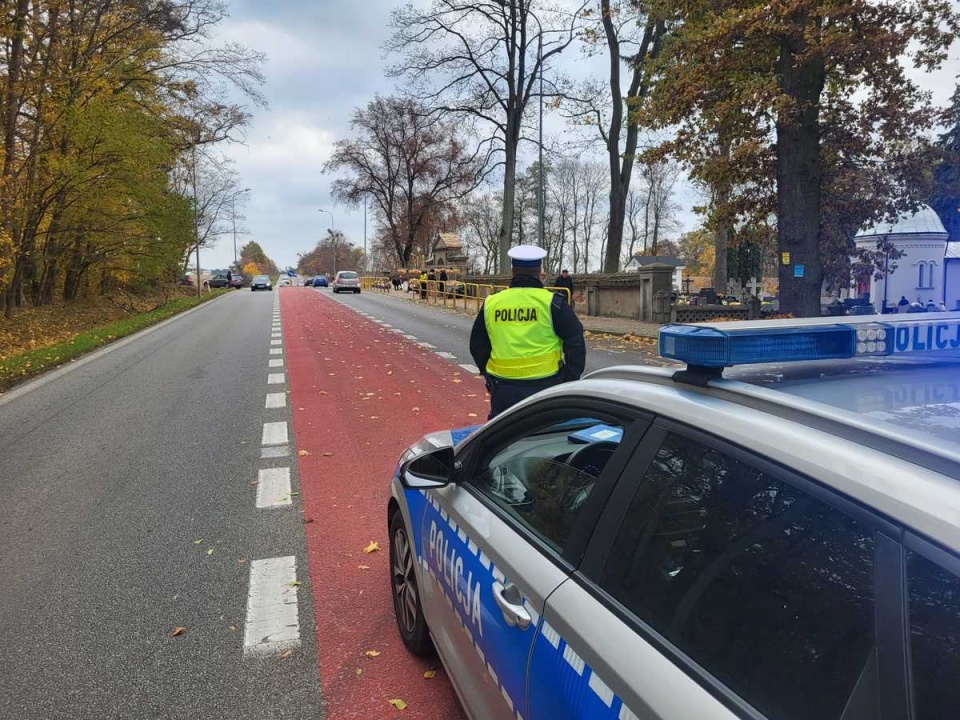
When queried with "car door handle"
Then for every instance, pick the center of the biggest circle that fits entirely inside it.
(508, 600)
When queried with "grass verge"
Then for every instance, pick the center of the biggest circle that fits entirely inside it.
(15, 369)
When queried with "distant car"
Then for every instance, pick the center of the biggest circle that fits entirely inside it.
(236, 280)
(284, 282)
(346, 281)
(260, 282)
(219, 281)
(320, 281)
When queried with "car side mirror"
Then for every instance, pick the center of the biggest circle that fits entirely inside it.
(430, 470)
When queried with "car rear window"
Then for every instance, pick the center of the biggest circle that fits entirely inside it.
(348, 276)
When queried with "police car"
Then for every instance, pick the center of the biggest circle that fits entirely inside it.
(771, 532)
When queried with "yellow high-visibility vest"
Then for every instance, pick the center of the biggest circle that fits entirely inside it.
(524, 344)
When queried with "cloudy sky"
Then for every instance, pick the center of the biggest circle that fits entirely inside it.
(324, 60)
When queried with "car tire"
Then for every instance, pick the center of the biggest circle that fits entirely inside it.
(405, 591)
(358, 292)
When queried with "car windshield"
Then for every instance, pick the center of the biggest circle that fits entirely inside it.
(261, 278)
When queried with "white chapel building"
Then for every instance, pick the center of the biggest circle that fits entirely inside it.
(929, 268)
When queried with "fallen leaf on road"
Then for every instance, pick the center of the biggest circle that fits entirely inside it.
(429, 674)
(286, 654)
(307, 520)
(178, 631)
(372, 653)
(294, 583)
(374, 417)
(327, 454)
(197, 542)
(398, 704)
(359, 672)
(363, 567)
(372, 547)
(210, 551)
(302, 453)
(416, 409)
(233, 628)
(471, 414)
(241, 560)
(322, 392)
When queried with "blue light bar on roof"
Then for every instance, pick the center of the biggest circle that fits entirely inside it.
(718, 345)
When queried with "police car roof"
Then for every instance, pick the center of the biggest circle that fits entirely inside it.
(905, 403)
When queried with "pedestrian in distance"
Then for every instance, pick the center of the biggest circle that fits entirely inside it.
(442, 277)
(903, 304)
(423, 286)
(564, 280)
(526, 338)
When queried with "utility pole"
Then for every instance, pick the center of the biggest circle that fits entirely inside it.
(333, 239)
(540, 65)
(196, 211)
(233, 214)
(364, 233)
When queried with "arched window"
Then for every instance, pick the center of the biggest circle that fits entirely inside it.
(922, 274)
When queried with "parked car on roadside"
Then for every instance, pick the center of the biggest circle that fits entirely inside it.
(346, 281)
(236, 280)
(220, 281)
(261, 282)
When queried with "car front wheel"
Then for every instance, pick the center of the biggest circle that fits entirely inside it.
(405, 591)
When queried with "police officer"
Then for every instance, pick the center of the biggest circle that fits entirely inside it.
(526, 338)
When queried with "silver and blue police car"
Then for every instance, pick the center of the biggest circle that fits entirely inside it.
(772, 531)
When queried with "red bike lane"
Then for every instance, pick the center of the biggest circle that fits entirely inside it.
(359, 394)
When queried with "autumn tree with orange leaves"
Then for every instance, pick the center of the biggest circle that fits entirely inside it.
(814, 99)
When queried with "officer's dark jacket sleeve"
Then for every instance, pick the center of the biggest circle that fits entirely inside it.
(569, 329)
(480, 347)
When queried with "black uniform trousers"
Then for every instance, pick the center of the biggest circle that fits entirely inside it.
(505, 394)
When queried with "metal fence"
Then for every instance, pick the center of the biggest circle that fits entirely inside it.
(450, 293)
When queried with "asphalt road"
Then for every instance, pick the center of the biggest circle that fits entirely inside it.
(117, 480)
(449, 331)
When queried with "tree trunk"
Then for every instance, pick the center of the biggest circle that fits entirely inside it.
(798, 179)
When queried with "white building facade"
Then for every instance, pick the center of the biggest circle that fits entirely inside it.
(928, 270)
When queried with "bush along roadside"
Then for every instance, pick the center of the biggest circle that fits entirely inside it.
(17, 368)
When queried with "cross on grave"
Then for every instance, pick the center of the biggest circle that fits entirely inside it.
(753, 286)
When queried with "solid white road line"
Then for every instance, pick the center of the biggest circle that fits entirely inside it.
(471, 368)
(274, 451)
(273, 487)
(275, 379)
(276, 400)
(275, 433)
(272, 619)
(276, 342)
(276, 351)
(276, 362)
(446, 355)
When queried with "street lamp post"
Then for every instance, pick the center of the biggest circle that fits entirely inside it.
(541, 201)
(233, 215)
(333, 232)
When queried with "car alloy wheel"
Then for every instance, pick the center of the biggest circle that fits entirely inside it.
(406, 591)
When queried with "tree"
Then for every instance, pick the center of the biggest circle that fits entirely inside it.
(330, 255)
(95, 99)
(488, 59)
(481, 219)
(697, 252)
(634, 33)
(412, 165)
(825, 79)
(254, 261)
(945, 198)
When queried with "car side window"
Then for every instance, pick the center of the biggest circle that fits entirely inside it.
(765, 586)
(543, 478)
(933, 597)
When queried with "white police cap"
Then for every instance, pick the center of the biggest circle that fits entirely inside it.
(528, 256)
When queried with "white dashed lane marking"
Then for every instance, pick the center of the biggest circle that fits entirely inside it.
(276, 351)
(411, 337)
(275, 379)
(273, 487)
(276, 342)
(276, 362)
(445, 355)
(471, 368)
(427, 345)
(272, 619)
(275, 433)
(276, 400)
